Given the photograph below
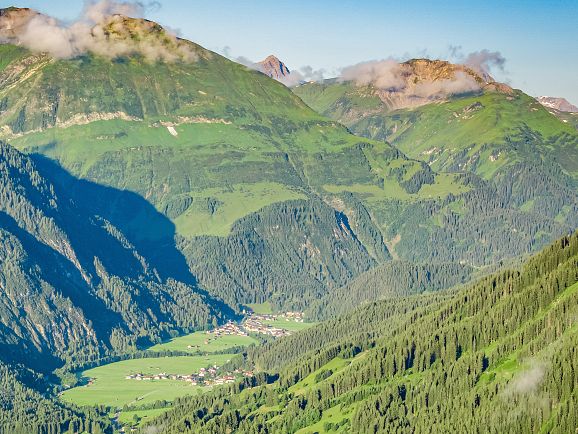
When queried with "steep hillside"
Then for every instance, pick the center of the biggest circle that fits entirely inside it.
(390, 280)
(496, 356)
(23, 410)
(74, 287)
(480, 131)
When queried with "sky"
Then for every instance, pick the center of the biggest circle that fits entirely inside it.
(537, 37)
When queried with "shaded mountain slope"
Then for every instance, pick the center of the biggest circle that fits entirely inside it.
(73, 286)
(23, 410)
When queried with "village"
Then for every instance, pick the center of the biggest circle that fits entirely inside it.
(205, 377)
(257, 323)
(253, 323)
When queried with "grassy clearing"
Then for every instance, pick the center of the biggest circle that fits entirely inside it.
(127, 418)
(261, 308)
(445, 183)
(289, 324)
(110, 387)
(197, 342)
(335, 365)
(330, 418)
(236, 202)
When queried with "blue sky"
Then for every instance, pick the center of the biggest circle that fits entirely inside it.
(538, 38)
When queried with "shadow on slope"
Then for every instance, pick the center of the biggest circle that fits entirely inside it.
(126, 233)
(140, 227)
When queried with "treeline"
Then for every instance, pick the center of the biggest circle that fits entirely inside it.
(497, 356)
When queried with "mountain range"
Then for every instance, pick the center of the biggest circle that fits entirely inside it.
(151, 187)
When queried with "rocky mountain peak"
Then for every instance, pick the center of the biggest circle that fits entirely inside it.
(273, 67)
(418, 82)
(556, 103)
(108, 35)
(434, 70)
(13, 21)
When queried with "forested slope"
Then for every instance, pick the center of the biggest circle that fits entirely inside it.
(73, 286)
(496, 356)
(23, 410)
(518, 160)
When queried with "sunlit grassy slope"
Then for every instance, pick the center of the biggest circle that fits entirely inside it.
(207, 142)
(480, 133)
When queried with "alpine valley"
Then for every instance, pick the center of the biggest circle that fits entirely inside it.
(353, 255)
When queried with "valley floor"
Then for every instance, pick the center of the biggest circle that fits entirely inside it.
(137, 390)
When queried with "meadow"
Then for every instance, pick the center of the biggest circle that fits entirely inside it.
(290, 325)
(195, 342)
(107, 385)
(110, 388)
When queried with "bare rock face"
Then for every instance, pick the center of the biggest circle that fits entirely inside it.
(274, 68)
(560, 104)
(419, 81)
(13, 21)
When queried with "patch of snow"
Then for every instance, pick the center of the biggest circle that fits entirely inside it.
(172, 131)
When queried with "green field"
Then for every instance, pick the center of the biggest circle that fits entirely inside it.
(110, 387)
(197, 341)
(290, 325)
(261, 308)
(128, 417)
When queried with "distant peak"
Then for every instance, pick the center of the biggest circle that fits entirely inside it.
(557, 103)
(271, 58)
(418, 82)
(273, 67)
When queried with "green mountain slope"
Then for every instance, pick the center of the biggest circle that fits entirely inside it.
(480, 132)
(389, 280)
(209, 143)
(566, 117)
(516, 157)
(496, 356)
(227, 154)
